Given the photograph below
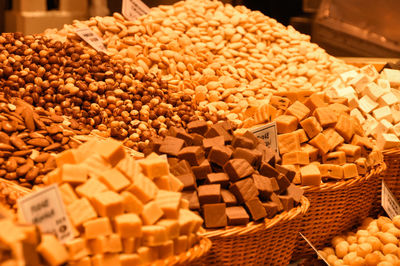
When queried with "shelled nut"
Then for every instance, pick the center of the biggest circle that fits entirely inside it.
(229, 59)
(96, 92)
(23, 150)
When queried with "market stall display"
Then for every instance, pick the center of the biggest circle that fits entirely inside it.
(183, 84)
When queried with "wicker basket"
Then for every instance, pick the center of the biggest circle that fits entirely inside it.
(192, 257)
(337, 207)
(392, 173)
(267, 243)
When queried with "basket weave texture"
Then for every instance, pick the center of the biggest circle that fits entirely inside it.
(337, 207)
(270, 242)
(392, 174)
(192, 257)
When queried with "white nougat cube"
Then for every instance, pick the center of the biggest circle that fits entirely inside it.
(349, 75)
(357, 114)
(397, 93)
(392, 75)
(366, 104)
(337, 84)
(386, 125)
(384, 84)
(359, 83)
(387, 141)
(395, 115)
(370, 72)
(383, 113)
(344, 92)
(330, 93)
(373, 91)
(375, 129)
(388, 99)
(369, 119)
(395, 130)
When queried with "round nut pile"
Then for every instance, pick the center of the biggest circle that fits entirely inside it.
(87, 86)
(375, 243)
(28, 138)
(228, 58)
(9, 196)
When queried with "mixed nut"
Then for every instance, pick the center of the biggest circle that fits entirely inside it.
(229, 59)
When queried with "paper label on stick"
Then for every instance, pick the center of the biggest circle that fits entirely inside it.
(132, 9)
(312, 246)
(92, 39)
(269, 134)
(389, 201)
(45, 208)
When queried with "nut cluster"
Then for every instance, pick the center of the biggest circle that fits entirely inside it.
(230, 59)
(28, 138)
(375, 243)
(9, 196)
(89, 87)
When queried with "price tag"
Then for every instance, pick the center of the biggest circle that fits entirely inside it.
(132, 9)
(269, 134)
(92, 39)
(389, 201)
(45, 208)
(312, 246)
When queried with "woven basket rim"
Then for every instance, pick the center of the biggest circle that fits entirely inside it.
(253, 227)
(194, 253)
(392, 151)
(15, 187)
(350, 182)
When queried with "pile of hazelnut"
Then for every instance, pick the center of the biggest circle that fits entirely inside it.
(95, 91)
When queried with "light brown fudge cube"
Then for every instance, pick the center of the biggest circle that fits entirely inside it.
(108, 203)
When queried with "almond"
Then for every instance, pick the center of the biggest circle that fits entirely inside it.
(53, 146)
(4, 138)
(6, 147)
(39, 142)
(11, 165)
(43, 157)
(8, 126)
(32, 173)
(22, 153)
(27, 114)
(18, 142)
(23, 170)
(54, 129)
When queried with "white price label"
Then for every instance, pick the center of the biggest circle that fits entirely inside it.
(92, 39)
(389, 201)
(132, 9)
(269, 134)
(45, 208)
(312, 246)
